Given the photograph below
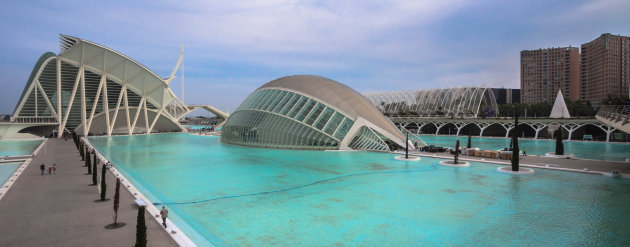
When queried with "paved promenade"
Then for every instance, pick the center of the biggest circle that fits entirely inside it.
(59, 209)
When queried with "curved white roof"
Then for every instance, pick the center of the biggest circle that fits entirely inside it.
(338, 95)
(118, 67)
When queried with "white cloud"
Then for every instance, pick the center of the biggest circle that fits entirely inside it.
(234, 46)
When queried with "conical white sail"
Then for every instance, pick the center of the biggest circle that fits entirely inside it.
(559, 109)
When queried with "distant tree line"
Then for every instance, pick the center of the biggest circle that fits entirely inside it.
(576, 108)
(543, 109)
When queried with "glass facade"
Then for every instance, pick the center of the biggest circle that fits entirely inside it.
(369, 140)
(280, 118)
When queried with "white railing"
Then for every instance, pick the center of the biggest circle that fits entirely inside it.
(614, 112)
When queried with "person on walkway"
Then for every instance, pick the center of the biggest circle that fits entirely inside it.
(50, 169)
(164, 213)
(54, 168)
(42, 168)
(524, 151)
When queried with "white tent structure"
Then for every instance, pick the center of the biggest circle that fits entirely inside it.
(465, 102)
(90, 88)
(559, 109)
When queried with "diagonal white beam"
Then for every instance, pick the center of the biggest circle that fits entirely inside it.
(43, 93)
(120, 96)
(155, 119)
(106, 103)
(83, 104)
(135, 118)
(146, 117)
(74, 92)
(98, 94)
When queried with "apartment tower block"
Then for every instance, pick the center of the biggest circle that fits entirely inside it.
(605, 68)
(545, 71)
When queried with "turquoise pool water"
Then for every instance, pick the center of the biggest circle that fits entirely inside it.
(585, 150)
(6, 170)
(197, 127)
(239, 196)
(18, 147)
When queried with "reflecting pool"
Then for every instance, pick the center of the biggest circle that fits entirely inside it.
(197, 127)
(585, 150)
(239, 196)
(18, 147)
(7, 169)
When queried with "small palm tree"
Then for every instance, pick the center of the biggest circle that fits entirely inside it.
(103, 183)
(94, 173)
(559, 145)
(515, 150)
(116, 201)
(141, 229)
(87, 160)
(81, 151)
(469, 139)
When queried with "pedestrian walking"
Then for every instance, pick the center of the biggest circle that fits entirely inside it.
(42, 168)
(524, 151)
(49, 169)
(55, 168)
(164, 213)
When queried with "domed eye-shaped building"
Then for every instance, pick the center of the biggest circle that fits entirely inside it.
(309, 112)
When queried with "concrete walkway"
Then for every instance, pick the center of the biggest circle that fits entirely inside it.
(577, 165)
(59, 209)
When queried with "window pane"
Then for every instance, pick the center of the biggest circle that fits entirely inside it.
(315, 113)
(270, 99)
(275, 102)
(324, 118)
(283, 102)
(290, 105)
(307, 109)
(334, 123)
(343, 129)
(260, 99)
(298, 107)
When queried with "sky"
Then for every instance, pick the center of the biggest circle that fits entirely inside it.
(233, 47)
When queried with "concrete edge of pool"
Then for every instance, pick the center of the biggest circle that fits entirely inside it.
(624, 175)
(172, 230)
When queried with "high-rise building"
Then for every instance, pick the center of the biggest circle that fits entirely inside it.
(545, 71)
(605, 68)
(507, 95)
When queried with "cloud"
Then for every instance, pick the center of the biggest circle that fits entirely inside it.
(232, 47)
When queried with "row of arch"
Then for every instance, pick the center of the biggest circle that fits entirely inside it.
(466, 102)
(537, 127)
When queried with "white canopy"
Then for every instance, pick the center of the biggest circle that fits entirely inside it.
(559, 109)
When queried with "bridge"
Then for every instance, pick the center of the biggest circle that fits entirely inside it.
(180, 111)
(414, 123)
(213, 121)
(617, 116)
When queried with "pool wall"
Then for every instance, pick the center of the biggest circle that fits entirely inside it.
(175, 232)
